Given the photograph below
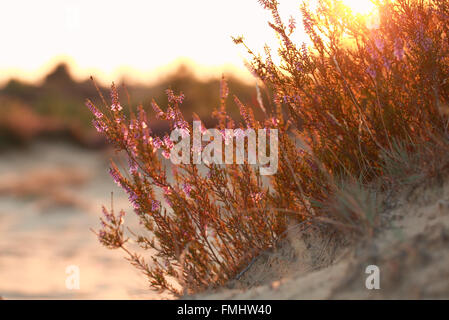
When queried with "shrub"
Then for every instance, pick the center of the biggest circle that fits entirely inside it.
(341, 103)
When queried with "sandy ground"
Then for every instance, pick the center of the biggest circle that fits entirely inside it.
(50, 197)
(411, 252)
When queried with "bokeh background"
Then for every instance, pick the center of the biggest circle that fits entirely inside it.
(53, 165)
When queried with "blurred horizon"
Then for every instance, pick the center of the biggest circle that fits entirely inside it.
(139, 42)
(54, 108)
(128, 75)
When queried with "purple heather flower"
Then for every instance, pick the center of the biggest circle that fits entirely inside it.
(371, 72)
(172, 98)
(168, 143)
(379, 42)
(133, 167)
(133, 124)
(387, 64)
(106, 214)
(256, 197)
(116, 107)
(166, 154)
(170, 113)
(146, 138)
(157, 143)
(426, 43)
(101, 234)
(372, 53)
(114, 94)
(134, 199)
(399, 49)
(116, 176)
(291, 24)
(266, 4)
(288, 44)
(250, 68)
(277, 18)
(124, 132)
(168, 201)
(133, 148)
(94, 110)
(307, 21)
(243, 112)
(157, 110)
(99, 126)
(422, 39)
(224, 89)
(312, 164)
(119, 119)
(187, 188)
(304, 50)
(155, 205)
(297, 98)
(166, 190)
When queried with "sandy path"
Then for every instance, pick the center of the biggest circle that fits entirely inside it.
(50, 196)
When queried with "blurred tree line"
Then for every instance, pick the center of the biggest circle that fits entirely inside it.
(54, 109)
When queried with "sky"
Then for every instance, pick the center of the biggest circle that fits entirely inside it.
(138, 39)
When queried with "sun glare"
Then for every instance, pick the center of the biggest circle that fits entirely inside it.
(364, 7)
(144, 25)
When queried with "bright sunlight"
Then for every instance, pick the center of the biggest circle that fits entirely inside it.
(364, 7)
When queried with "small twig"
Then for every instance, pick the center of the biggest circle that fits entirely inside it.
(246, 269)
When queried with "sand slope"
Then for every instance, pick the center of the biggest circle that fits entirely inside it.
(411, 251)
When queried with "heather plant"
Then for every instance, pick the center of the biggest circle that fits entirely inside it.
(350, 105)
